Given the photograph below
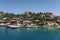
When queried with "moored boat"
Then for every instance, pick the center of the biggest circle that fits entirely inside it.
(14, 26)
(2, 24)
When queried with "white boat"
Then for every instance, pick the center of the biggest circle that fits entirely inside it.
(14, 26)
(2, 24)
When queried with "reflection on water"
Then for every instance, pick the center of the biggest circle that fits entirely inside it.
(29, 34)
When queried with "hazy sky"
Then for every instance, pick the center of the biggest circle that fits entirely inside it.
(19, 6)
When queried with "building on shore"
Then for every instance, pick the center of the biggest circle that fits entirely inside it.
(14, 21)
(57, 19)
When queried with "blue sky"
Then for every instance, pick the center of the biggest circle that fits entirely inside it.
(20, 6)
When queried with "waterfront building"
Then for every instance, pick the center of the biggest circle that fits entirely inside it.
(57, 19)
(14, 21)
(36, 20)
(27, 22)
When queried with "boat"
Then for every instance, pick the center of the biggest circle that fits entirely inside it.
(14, 26)
(2, 24)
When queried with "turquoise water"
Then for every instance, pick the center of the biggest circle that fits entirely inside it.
(29, 34)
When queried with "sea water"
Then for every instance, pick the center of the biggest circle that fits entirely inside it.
(29, 34)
